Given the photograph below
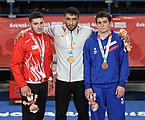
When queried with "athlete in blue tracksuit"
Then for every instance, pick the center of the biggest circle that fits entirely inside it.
(106, 70)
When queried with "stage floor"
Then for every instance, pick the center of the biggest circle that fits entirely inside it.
(135, 110)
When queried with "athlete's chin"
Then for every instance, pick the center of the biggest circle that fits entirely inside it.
(103, 31)
(39, 32)
(71, 28)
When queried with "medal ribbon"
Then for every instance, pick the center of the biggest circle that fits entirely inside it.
(104, 54)
(75, 38)
(41, 47)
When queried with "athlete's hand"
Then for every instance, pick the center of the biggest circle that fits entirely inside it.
(88, 92)
(20, 34)
(26, 91)
(126, 39)
(120, 91)
(127, 44)
(50, 86)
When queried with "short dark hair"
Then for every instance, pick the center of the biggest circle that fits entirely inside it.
(102, 14)
(72, 11)
(35, 14)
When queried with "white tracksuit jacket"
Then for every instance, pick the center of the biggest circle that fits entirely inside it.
(65, 71)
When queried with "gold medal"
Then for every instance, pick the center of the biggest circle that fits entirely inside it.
(104, 65)
(70, 59)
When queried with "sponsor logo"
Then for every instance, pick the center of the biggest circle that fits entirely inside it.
(119, 25)
(140, 24)
(69, 114)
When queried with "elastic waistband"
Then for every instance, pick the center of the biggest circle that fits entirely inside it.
(107, 85)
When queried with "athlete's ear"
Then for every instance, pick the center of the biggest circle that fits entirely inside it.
(111, 24)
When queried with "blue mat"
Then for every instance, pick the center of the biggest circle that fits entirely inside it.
(135, 110)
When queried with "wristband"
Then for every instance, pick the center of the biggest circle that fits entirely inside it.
(50, 79)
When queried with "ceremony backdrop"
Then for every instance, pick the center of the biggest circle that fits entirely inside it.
(135, 25)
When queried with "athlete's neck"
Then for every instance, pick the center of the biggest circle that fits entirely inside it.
(104, 34)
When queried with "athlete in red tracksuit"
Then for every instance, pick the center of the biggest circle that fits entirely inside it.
(31, 65)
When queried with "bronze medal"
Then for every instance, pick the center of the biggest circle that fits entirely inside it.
(70, 59)
(104, 65)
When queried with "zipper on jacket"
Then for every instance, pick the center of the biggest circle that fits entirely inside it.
(70, 70)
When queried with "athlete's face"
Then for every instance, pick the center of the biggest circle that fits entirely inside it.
(103, 25)
(71, 21)
(37, 25)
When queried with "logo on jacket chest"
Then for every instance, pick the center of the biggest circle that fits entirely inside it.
(47, 44)
(95, 51)
(34, 47)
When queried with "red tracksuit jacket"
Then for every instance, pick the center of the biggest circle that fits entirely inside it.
(26, 62)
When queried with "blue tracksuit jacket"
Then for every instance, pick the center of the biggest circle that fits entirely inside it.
(118, 67)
